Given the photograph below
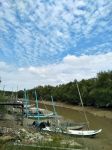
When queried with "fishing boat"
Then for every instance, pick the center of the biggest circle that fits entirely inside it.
(79, 133)
(42, 113)
(71, 125)
(68, 131)
(76, 127)
(35, 112)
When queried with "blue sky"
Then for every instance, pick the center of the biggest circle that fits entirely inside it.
(53, 41)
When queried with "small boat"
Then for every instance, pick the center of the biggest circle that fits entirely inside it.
(79, 133)
(68, 131)
(35, 112)
(86, 133)
(70, 125)
(75, 127)
(40, 115)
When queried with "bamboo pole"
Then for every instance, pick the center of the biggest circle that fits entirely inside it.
(37, 108)
(26, 102)
(55, 113)
(44, 105)
(53, 105)
(82, 106)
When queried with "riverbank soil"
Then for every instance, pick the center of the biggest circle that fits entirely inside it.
(98, 119)
(95, 111)
(14, 134)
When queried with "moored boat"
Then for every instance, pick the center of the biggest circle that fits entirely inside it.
(79, 133)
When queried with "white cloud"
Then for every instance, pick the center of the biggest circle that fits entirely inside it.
(35, 29)
(35, 33)
(69, 59)
(70, 68)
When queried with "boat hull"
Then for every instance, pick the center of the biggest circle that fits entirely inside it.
(41, 115)
(79, 133)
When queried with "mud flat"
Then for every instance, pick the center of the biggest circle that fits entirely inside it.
(95, 111)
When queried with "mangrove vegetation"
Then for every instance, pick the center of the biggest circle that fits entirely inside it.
(96, 92)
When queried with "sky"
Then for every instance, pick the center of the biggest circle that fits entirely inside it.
(52, 42)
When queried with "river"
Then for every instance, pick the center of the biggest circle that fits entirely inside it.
(102, 141)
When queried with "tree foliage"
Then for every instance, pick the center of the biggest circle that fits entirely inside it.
(95, 92)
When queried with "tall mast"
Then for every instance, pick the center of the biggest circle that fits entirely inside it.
(4, 90)
(53, 106)
(44, 104)
(26, 102)
(17, 93)
(82, 105)
(55, 113)
(37, 109)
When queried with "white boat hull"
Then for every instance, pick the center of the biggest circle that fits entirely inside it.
(81, 133)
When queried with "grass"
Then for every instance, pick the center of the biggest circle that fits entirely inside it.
(34, 147)
(42, 145)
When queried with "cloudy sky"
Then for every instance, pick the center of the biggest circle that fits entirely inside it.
(53, 41)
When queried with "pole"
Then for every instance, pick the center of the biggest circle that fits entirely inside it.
(17, 93)
(37, 109)
(82, 106)
(44, 105)
(26, 103)
(27, 98)
(53, 106)
(55, 113)
(3, 90)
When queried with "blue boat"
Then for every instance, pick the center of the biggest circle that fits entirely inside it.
(35, 112)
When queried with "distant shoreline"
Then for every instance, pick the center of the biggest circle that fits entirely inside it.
(94, 111)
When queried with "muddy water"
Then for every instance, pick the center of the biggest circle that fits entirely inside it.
(103, 141)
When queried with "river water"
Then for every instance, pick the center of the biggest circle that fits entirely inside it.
(102, 141)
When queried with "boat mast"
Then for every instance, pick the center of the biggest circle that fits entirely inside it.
(53, 106)
(3, 90)
(27, 97)
(82, 105)
(44, 104)
(17, 93)
(26, 102)
(55, 113)
(37, 109)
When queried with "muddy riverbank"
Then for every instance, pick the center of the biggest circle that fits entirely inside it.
(97, 118)
(95, 111)
(30, 137)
